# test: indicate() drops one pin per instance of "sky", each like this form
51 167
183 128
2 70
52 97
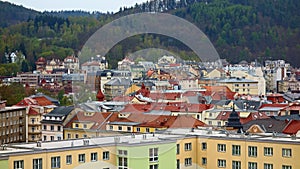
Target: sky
85 5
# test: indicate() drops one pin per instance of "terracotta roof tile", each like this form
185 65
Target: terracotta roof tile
292 128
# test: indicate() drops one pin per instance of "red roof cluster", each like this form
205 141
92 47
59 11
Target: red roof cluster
38 101
219 92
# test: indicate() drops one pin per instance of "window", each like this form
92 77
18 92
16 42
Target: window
69 135
58 128
120 128
204 146
236 165
128 128
154 166
268 166
45 127
252 151
252 165
94 156
106 155
69 159
153 154
236 150
122 160
84 126
188 161
45 138
147 130
51 138
177 164
76 125
52 128
76 136
32 120
268 151
177 148
204 160
37 163
19 164
138 129
188 146
221 163
55 162
111 127
81 158
221 147
122 152
286 152
286 167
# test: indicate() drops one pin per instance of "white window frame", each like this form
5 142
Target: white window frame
221 147
252 151
69 159
268 166
55 162
188 146
236 165
268 151
252 165
19 164
286 152
153 154
236 150
37 163
81 158
188 161
94 156
105 155
221 163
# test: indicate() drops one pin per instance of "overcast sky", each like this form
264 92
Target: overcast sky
85 5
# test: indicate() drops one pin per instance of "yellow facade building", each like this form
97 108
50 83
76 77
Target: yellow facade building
174 149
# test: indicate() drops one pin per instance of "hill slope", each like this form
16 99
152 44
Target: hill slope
12 14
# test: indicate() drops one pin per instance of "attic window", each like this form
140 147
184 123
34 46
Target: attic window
255 116
260 114
271 125
224 114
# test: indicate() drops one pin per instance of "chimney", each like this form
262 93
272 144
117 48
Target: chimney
38 144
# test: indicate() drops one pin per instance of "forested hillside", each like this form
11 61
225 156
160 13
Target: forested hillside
239 29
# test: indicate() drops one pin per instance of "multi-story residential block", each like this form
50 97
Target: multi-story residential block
34 116
178 148
116 87
12 124
29 79
54 122
241 85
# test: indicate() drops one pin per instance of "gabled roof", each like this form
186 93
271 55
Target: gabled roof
292 127
38 101
268 125
224 115
272 107
98 119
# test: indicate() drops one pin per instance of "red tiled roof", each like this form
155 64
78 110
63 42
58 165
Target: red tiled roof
165 96
40 101
189 93
32 111
123 98
292 128
219 92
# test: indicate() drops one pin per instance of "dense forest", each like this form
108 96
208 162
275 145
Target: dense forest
239 29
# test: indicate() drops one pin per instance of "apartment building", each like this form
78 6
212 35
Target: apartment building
12 124
175 149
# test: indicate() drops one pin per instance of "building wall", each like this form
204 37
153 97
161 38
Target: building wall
46 158
183 153
138 156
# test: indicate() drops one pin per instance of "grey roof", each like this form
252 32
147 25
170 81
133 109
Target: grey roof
61 111
158 112
236 80
269 125
119 82
288 117
220 102
247 104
